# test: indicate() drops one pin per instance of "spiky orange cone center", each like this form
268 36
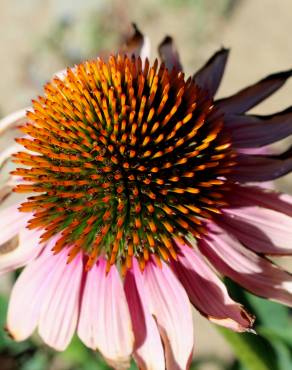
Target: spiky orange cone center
125 158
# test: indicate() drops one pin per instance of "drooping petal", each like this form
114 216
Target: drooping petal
28 295
105 322
13 120
257 168
19 250
5 192
252 95
169 304
169 54
60 306
210 75
208 293
260 229
251 131
5 154
253 272
11 222
148 350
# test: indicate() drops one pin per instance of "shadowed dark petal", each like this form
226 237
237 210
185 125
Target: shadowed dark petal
252 95
246 196
251 131
253 168
168 54
210 75
148 349
207 292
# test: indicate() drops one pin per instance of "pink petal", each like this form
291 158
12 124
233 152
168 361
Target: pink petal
105 322
253 272
20 250
60 306
169 55
148 350
28 294
11 222
210 75
207 292
252 95
169 304
260 229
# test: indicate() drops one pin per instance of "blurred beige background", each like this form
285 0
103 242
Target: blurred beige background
38 37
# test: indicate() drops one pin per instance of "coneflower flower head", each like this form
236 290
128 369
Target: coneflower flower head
126 159
140 190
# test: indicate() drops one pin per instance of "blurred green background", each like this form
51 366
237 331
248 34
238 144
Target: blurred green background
39 37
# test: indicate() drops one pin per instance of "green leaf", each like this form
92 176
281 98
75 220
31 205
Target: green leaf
269 314
3 307
283 355
283 335
76 353
273 324
38 362
252 351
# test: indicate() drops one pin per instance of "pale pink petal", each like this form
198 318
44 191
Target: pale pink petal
19 250
11 222
248 269
169 304
28 295
260 229
148 350
105 322
60 306
208 293
265 150
61 74
146 49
